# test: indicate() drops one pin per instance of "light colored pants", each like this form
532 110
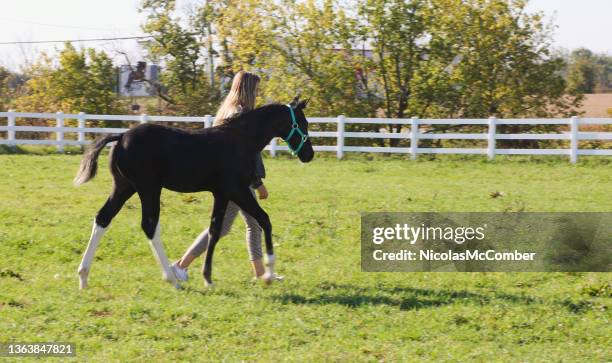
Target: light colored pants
253 233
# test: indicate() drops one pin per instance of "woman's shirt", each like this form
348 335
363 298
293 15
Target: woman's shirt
260 172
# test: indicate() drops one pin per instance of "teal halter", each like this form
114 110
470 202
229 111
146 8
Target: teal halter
295 128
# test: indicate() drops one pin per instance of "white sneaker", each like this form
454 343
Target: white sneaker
278 277
179 272
275 277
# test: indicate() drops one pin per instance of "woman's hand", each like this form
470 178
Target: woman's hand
262 191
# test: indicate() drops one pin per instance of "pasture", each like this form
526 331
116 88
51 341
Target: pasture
326 309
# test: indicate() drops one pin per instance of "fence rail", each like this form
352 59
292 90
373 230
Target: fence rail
414 134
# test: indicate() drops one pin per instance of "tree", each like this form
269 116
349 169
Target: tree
467 59
83 81
582 71
426 58
507 69
177 47
604 73
394 29
588 72
475 58
298 47
9 86
314 52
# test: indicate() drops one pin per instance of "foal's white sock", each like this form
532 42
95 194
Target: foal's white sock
97 232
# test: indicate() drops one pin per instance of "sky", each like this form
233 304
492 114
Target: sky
584 23
581 23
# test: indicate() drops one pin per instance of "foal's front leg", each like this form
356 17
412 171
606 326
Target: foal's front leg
216 223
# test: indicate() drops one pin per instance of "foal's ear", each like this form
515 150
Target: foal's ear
302 105
295 101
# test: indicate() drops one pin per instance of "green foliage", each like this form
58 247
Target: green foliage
468 59
9 87
313 52
506 70
326 309
439 58
368 58
588 72
83 81
179 50
394 29
296 47
4 89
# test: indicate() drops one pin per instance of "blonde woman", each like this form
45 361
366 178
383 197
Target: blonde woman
241 98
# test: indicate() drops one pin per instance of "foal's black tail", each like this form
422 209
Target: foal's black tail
89 164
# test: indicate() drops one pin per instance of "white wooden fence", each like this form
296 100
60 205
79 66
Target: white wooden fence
414 125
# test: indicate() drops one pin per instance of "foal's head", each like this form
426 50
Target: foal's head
295 131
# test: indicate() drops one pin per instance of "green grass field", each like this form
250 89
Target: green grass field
327 309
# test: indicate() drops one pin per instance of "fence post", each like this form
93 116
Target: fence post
81 125
340 135
207 121
414 138
143 118
574 139
491 138
59 120
273 147
11 123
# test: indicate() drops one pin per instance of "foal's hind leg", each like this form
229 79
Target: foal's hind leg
96 234
150 199
122 191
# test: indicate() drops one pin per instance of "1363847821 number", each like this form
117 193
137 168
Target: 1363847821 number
36 349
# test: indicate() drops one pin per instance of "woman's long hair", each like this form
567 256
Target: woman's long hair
240 98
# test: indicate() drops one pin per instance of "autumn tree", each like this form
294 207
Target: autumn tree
83 81
177 45
9 85
588 72
475 58
392 58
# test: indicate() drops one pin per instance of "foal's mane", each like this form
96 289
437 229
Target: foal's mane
245 117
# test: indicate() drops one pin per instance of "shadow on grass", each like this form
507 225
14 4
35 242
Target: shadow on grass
405 298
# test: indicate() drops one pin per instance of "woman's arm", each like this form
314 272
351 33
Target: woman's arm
260 173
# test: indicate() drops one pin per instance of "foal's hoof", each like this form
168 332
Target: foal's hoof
83 279
172 281
175 284
208 283
82 283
